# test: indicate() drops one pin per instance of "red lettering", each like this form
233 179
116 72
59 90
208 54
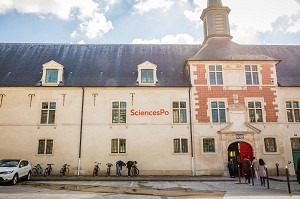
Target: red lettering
148 113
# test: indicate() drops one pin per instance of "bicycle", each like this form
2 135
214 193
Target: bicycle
109 165
37 170
48 170
134 170
64 170
96 170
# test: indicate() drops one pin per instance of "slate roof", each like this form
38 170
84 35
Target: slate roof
116 65
94 65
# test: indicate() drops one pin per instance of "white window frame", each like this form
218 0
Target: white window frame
202 144
180 111
215 72
147 66
181 146
210 100
48 112
46 140
52 65
118 146
292 110
251 73
119 109
261 100
264 145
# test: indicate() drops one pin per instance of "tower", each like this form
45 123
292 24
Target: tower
215 20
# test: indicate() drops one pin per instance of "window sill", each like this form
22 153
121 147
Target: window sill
118 154
180 154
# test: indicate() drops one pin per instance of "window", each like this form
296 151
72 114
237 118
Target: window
147 76
119 112
118 145
292 111
295 142
180 145
270 145
251 75
218 111
179 112
255 111
48 112
215 75
51 76
45 146
209 145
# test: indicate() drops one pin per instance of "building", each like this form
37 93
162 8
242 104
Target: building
176 109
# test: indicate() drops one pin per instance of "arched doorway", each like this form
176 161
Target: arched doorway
237 151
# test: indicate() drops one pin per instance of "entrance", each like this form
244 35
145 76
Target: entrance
295 150
237 151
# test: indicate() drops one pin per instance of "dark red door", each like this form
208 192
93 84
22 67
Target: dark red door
245 149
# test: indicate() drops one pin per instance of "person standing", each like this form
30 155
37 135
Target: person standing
230 166
262 171
247 168
119 165
129 165
255 167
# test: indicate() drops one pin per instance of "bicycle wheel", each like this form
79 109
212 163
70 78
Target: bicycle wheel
34 172
137 171
46 172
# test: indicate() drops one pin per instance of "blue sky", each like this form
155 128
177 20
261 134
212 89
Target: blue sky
144 21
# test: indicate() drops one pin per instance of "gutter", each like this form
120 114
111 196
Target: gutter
191 134
80 135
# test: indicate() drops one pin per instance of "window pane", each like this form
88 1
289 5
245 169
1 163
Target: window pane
288 104
51 117
254 68
182 105
214 104
51 76
175 104
41 147
45 105
297 116
49 146
176 143
255 78
52 105
114 145
183 116
221 104
219 79
44 115
211 68
218 68
295 143
176 115
122 116
259 115
115 104
247 68
115 116
122 148
295 105
252 115
209 145
250 104
215 115
147 75
257 104
212 79
248 78
290 115
122 104
222 115
184 145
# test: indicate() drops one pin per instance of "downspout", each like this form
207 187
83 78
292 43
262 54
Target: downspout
191 134
80 137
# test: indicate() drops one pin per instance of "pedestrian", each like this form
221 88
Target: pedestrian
119 165
255 167
230 166
129 165
262 171
298 171
247 168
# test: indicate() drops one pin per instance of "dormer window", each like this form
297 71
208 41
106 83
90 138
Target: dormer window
147 74
52 74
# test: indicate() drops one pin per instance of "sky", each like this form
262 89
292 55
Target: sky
144 21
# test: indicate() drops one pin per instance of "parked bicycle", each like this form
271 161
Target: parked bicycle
96 170
134 170
37 170
64 170
48 170
108 169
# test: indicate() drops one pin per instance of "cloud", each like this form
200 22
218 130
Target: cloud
144 6
87 12
168 39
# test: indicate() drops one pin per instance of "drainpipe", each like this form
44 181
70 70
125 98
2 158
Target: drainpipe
191 134
80 137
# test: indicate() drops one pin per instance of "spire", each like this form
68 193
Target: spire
215 20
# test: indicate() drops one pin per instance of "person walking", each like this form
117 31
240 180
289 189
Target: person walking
247 168
230 166
255 167
262 171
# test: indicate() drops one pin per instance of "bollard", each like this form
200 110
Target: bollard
252 176
288 179
239 173
267 177
277 165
